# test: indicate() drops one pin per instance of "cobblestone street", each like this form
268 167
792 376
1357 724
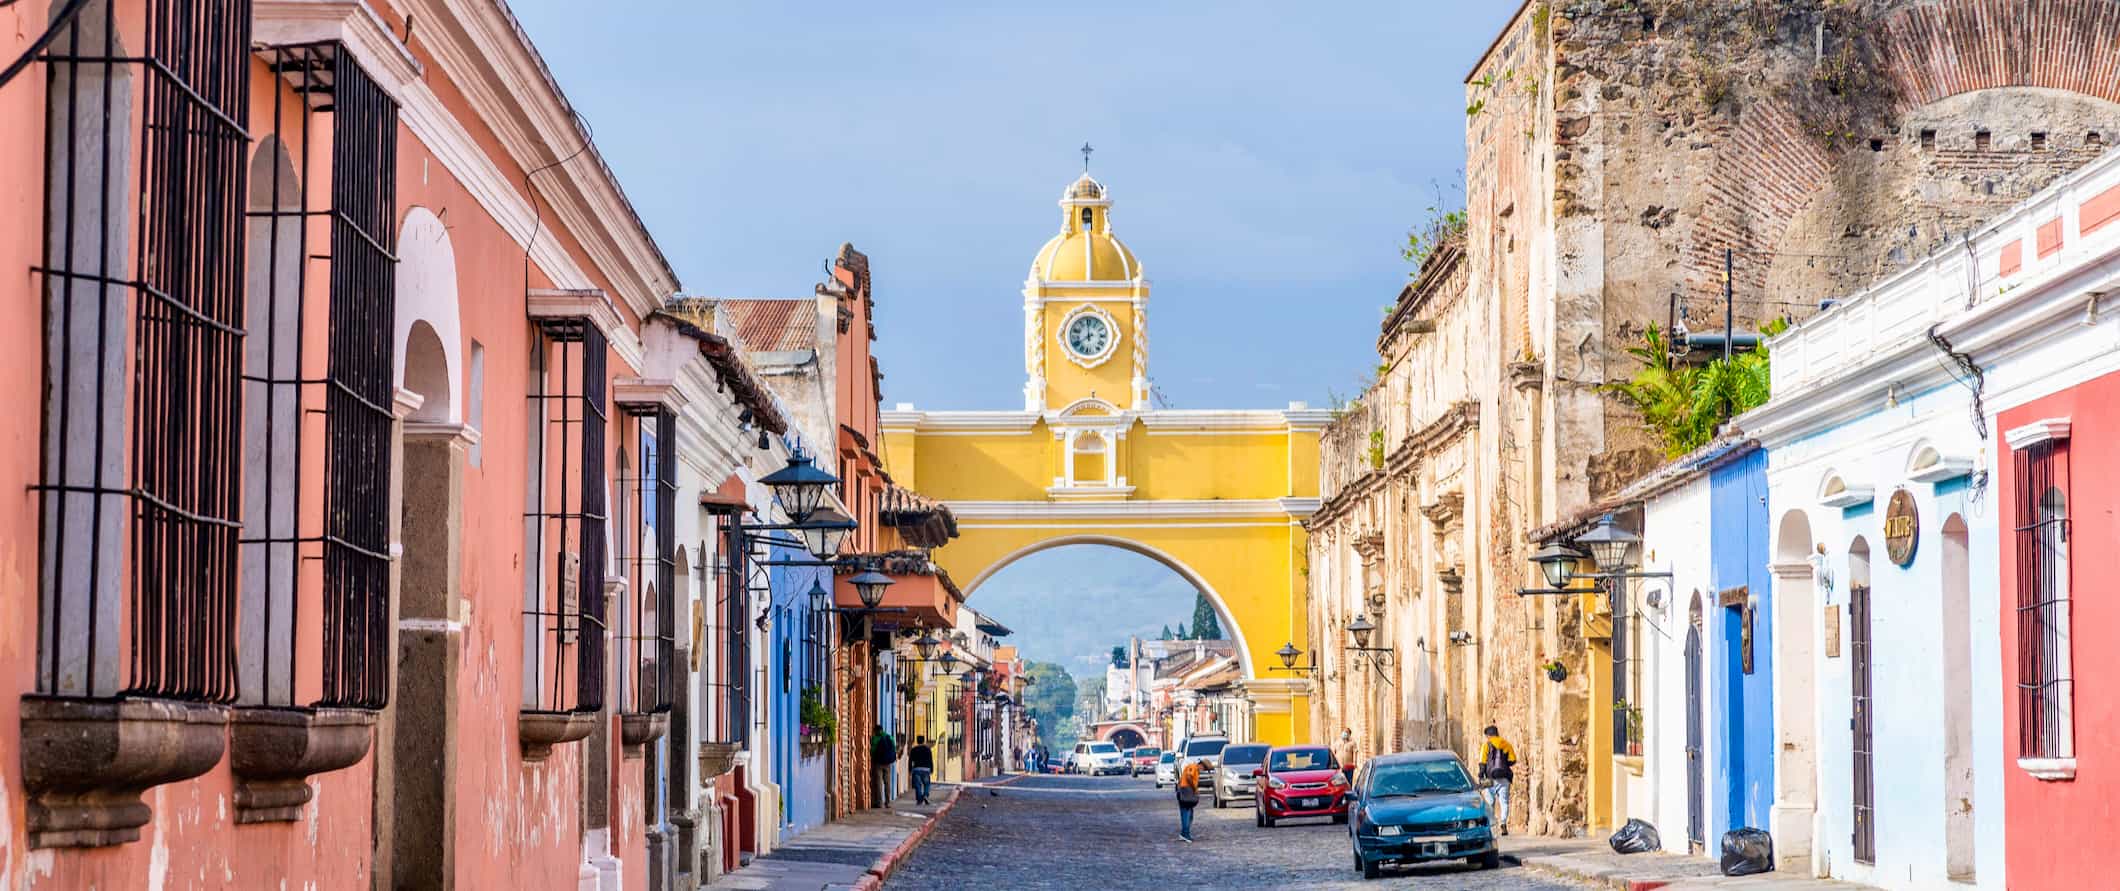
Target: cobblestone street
1117 833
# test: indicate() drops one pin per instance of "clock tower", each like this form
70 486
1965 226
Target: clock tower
1085 313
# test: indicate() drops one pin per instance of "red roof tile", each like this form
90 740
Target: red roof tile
771 325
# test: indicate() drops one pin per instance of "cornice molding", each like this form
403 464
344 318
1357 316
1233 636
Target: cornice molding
959 421
2036 432
642 391
1127 510
352 23
492 63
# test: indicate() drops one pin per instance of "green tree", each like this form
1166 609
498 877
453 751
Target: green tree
1182 633
1119 656
1166 633
1206 625
1051 699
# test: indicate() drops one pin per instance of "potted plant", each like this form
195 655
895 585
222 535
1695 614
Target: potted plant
818 723
1554 670
1630 716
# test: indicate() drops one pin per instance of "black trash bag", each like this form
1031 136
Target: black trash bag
1637 837
1747 852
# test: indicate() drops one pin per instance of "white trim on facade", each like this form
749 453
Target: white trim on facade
2043 430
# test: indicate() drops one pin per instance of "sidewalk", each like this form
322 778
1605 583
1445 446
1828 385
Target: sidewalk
856 852
1593 860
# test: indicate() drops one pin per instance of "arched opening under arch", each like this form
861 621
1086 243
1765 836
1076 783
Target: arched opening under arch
1796 613
1125 621
427 372
1957 656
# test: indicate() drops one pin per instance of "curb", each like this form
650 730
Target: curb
1610 878
881 869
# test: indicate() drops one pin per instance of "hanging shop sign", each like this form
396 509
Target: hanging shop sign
1902 527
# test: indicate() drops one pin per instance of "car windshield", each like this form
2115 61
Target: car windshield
1168 757
1244 755
1304 759
1147 753
1103 748
1200 747
1417 778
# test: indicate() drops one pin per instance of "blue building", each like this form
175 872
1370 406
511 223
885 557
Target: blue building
797 665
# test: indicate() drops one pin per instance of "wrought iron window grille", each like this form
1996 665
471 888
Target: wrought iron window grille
142 274
648 629
565 614
350 542
2045 687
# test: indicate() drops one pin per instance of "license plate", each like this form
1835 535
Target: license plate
1387 830
1308 803
1435 849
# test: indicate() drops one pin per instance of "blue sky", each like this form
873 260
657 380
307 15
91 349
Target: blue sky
1265 159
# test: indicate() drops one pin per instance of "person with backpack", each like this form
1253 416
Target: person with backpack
883 752
1497 770
1188 798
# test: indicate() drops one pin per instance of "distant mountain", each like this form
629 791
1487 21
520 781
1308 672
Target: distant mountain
1071 604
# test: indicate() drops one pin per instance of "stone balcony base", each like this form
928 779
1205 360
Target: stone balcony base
86 761
540 731
274 751
637 730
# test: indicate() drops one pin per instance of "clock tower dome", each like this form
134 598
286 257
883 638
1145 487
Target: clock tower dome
1085 313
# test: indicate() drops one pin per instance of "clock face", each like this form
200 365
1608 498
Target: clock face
1088 336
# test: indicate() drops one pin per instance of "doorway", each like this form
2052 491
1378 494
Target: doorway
1864 790
1696 769
1957 704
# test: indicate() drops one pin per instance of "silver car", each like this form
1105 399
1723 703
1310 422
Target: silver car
1233 779
1204 751
1167 770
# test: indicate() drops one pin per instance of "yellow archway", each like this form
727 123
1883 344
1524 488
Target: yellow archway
1217 496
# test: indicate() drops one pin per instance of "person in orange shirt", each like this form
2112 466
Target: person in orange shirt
1188 798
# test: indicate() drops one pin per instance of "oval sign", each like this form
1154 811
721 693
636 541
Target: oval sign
1902 527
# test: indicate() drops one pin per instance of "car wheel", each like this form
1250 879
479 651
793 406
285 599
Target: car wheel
1370 869
1266 819
1490 860
1258 819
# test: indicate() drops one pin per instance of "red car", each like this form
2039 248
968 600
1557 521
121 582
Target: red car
1143 759
1301 781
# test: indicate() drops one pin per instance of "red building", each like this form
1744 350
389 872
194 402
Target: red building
2051 380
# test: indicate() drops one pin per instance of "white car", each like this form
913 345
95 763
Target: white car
1097 759
1167 770
1205 751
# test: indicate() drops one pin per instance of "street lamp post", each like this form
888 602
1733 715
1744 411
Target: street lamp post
1377 658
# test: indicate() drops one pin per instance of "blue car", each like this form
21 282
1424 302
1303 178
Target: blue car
1419 807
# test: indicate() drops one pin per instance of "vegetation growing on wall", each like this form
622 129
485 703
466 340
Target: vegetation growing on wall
1683 405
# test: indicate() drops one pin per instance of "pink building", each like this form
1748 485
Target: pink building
343 554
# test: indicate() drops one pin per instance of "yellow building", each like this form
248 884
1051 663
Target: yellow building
1217 496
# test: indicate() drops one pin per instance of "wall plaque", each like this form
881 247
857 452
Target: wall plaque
1902 527
1832 632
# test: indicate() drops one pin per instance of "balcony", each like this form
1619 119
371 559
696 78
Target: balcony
920 588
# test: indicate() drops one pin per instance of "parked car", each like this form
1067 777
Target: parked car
1143 759
1300 781
1205 751
1058 765
1098 758
1167 769
1419 807
1233 779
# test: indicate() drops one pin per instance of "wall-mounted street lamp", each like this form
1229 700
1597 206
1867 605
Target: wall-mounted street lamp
1377 658
799 487
1610 547
1289 654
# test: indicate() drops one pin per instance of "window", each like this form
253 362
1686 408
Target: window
1626 671
2045 691
648 636
563 612
341 534
142 276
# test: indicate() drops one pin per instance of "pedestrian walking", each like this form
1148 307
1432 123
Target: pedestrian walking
1345 751
921 760
1497 770
883 752
1188 798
